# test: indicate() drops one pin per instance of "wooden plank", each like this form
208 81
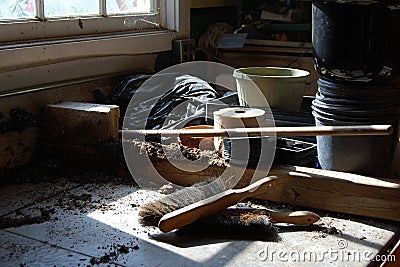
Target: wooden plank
212 3
80 123
397 160
307 187
336 191
270 50
278 43
290 27
393 259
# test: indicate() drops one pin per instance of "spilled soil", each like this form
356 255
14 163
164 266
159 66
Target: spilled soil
18 120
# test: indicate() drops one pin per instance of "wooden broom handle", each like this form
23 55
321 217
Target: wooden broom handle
268 131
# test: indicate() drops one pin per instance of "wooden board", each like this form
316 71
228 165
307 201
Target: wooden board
278 43
391 259
272 50
80 123
337 191
212 3
308 187
395 256
397 160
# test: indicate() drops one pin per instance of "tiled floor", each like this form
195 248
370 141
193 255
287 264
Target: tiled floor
67 224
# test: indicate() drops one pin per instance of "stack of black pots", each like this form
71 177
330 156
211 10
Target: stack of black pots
357 54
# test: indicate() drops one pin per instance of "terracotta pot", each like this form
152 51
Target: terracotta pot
203 143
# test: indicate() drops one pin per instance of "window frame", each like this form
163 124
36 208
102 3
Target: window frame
39 28
41 54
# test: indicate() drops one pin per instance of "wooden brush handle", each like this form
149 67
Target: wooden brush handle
292 217
268 131
295 217
212 205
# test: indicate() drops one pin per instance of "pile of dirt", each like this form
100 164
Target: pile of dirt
175 151
22 219
18 120
51 170
113 254
108 165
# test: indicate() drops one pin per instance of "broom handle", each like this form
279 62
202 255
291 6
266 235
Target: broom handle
267 131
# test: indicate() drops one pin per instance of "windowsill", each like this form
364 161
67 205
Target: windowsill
48 63
32 29
28 55
80 38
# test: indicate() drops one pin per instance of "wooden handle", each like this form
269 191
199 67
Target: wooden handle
295 217
212 205
267 131
292 217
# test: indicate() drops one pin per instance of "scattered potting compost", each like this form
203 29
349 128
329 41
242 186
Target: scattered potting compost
200 133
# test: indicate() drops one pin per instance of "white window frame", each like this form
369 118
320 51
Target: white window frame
46 50
39 28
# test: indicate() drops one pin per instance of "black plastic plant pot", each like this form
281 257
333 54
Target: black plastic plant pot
366 155
356 41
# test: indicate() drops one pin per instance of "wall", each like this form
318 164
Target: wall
78 90
42 68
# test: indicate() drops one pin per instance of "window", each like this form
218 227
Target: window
12 9
38 19
47 42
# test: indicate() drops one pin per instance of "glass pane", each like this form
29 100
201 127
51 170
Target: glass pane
128 6
12 9
65 8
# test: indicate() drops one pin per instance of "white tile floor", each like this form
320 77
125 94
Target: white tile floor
97 224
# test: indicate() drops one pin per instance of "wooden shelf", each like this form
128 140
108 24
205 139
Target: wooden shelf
212 3
278 43
289 26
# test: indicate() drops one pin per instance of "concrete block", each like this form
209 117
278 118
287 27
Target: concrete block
80 123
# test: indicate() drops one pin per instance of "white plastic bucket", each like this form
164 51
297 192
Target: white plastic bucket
283 88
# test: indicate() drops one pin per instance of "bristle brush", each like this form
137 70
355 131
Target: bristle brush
213 204
151 213
247 223
234 223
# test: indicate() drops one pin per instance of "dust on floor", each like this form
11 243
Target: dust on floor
75 223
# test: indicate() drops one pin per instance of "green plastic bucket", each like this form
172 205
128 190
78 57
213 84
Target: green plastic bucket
282 88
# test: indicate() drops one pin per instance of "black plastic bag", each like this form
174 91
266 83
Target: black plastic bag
190 91
163 101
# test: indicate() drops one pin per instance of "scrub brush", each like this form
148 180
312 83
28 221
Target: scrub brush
247 224
234 223
151 213
212 205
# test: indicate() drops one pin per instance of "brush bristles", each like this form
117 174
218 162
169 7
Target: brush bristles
151 213
243 217
234 223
